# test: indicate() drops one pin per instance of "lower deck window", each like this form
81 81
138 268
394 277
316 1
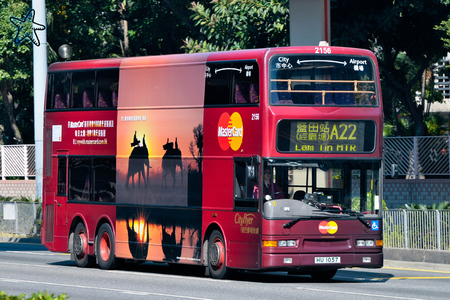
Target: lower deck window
245 183
92 179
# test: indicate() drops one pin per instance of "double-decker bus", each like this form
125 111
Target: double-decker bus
265 159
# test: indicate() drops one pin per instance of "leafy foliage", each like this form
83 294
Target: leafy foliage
442 205
35 296
100 29
15 77
240 24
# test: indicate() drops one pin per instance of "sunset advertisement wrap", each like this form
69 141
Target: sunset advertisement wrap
157 165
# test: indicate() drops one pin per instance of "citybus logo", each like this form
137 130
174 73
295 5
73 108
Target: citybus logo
247 224
328 227
230 131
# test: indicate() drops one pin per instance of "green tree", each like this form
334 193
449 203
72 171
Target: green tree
91 28
100 29
16 108
240 24
402 33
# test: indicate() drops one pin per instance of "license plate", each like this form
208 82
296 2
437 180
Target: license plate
327 260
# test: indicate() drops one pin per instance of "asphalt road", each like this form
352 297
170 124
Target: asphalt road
28 268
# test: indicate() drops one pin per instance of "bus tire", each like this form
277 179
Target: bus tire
217 256
105 247
80 246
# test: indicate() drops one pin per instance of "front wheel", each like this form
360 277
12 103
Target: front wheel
80 246
105 248
217 256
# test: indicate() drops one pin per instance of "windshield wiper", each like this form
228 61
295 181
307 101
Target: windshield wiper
289 225
358 216
293 222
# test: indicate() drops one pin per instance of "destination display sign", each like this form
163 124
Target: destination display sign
326 136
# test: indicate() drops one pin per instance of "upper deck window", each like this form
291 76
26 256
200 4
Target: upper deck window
332 80
232 83
83 89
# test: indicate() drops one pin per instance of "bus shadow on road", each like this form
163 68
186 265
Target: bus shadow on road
342 275
360 275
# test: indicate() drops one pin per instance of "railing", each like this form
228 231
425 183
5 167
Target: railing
417 156
417 229
17 161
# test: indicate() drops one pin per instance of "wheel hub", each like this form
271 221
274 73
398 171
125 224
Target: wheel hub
78 245
214 255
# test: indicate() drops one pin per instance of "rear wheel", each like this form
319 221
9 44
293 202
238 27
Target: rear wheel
217 256
80 247
105 247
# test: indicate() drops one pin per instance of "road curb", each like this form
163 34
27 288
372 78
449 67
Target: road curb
20 240
416 265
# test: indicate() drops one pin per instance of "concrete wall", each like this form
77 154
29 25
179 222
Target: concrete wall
416 255
17 188
398 192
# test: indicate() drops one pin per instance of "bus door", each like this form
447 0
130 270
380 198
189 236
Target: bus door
61 190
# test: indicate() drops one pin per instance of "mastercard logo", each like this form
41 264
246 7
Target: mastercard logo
230 131
328 227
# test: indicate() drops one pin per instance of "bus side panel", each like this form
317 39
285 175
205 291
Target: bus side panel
241 231
240 226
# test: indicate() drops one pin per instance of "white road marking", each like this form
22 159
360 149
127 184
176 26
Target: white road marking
356 293
129 292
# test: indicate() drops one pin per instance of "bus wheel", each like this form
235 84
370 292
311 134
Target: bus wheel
323 275
105 247
80 245
217 256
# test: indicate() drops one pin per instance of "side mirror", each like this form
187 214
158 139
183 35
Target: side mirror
394 170
251 174
251 169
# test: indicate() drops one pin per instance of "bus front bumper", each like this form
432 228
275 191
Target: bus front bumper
328 260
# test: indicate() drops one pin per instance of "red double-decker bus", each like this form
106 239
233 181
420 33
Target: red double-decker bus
266 159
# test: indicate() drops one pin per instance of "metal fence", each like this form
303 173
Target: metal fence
417 156
17 161
417 229
20 218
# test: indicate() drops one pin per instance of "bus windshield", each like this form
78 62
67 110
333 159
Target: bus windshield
334 80
320 188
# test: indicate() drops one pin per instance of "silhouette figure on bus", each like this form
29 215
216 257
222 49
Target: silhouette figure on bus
171 250
138 241
170 161
137 161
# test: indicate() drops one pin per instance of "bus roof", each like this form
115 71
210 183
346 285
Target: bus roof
154 60
86 64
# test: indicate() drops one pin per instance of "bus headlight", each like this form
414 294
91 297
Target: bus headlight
288 243
281 243
365 243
